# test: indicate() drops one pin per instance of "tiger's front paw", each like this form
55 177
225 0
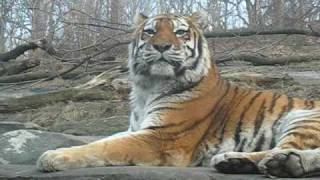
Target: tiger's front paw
283 163
57 160
233 163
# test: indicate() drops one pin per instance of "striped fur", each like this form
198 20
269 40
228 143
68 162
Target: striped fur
184 114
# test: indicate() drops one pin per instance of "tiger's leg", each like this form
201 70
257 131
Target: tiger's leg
142 147
291 163
297 153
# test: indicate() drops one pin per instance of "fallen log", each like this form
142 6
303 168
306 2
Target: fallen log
262 60
256 79
247 32
33 76
72 94
19 67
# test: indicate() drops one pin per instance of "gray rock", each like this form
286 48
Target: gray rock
6 126
25 146
123 173
306 78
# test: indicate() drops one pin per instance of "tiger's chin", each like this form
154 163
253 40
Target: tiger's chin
162 69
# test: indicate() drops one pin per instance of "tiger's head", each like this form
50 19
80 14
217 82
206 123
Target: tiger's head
169 46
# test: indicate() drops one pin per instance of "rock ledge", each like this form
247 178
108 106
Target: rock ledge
121 173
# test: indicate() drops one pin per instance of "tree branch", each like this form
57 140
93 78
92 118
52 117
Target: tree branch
19 50
16 52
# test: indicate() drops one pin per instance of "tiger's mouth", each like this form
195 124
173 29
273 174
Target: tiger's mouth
171 62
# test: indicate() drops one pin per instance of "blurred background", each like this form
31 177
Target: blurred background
77 23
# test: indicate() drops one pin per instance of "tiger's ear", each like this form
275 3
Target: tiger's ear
200 18
139 18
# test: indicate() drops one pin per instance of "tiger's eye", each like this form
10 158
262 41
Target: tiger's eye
149 32
181 32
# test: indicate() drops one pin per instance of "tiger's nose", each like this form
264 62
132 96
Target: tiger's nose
162 47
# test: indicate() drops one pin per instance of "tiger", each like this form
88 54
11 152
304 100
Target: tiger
184 114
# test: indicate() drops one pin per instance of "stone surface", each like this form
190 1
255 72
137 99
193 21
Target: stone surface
123 173
6 126
306 78
97 127
25 146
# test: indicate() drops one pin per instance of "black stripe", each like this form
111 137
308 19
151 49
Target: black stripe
178 90
290 103
259 118
284 109
134 43
135 64
192 51
240 148
312 104
273 102
135 116
258 121
259 143
309 104
160 127
199 48
162 108
178 71
274 126
229 113
239 125
195 40
226 119
214 109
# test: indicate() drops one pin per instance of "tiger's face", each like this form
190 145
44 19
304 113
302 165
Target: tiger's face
167 46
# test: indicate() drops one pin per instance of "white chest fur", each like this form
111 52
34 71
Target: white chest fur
143 101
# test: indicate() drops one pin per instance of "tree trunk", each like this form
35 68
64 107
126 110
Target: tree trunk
277 13
300 15
2 36
36 101
3 20
115 11
39 22
254 14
